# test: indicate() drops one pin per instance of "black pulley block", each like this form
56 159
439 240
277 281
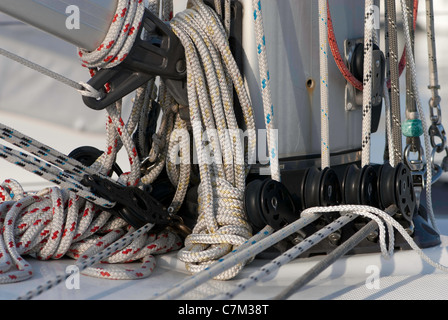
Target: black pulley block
356 66
87 155
359 186
268 202
134 205
159 54
396 188
321 188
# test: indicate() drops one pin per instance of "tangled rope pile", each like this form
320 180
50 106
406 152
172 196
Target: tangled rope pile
53 223
56 222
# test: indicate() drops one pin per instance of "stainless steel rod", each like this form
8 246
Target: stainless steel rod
328 261
83 23
332 257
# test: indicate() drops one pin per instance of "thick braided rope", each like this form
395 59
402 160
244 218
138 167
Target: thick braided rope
222 224
52 224
227 128
367 81
159 150
119 39
216 126
411 111
125 137
179 162
323 58
395 85
265 79
97 255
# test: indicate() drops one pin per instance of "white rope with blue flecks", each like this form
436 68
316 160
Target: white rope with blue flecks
265 80
324 89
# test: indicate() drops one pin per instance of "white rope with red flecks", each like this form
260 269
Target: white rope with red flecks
113 50
54 222
120 37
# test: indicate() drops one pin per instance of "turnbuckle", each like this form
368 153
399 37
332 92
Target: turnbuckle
160 54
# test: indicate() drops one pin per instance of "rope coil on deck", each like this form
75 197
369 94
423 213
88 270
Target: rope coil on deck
58 222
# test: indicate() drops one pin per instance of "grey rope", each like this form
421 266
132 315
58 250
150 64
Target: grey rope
434 81
386 94
332 257
81 87
411 105
395 85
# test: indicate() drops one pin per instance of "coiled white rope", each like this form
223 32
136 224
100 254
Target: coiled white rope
53 223
96 254
222 224
119 38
